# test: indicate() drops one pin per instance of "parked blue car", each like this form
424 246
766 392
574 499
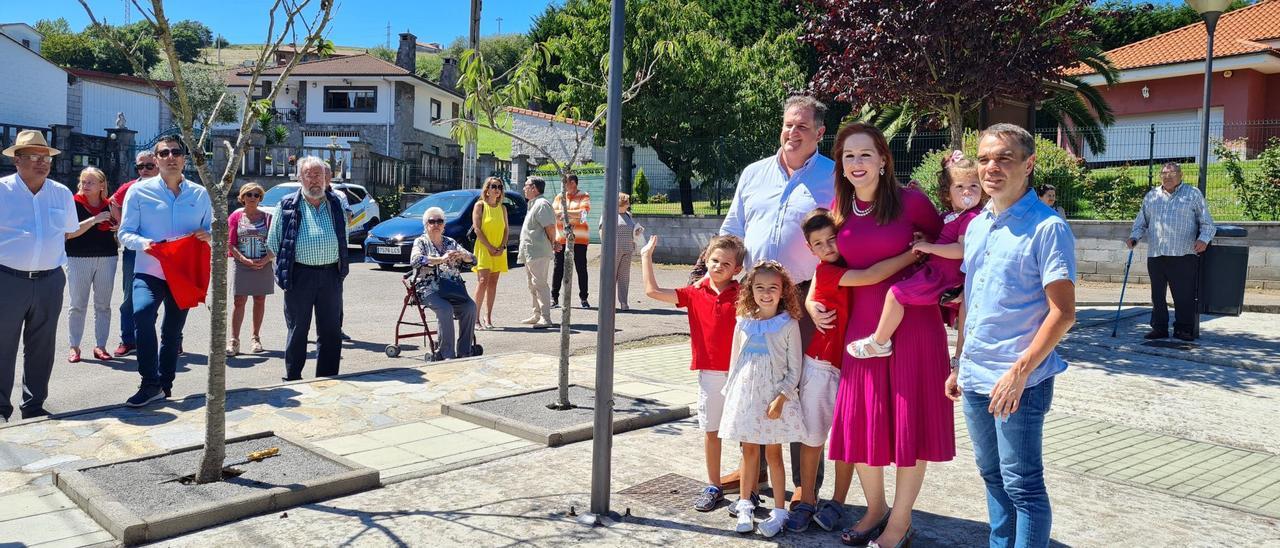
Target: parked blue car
391 241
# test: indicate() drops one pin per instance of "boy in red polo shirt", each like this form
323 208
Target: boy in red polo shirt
712 303
821 374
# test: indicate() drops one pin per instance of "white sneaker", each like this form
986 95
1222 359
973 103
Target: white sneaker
869 348
544 324
531 320
746 523
773 525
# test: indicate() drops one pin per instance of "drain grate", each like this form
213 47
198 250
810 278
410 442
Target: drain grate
665 491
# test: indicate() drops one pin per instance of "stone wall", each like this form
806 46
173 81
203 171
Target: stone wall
1100 250
557 138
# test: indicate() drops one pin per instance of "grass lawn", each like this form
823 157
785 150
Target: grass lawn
699 208
493 142
1221 197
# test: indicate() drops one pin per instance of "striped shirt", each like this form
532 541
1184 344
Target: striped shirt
579 205
1173 221
316 245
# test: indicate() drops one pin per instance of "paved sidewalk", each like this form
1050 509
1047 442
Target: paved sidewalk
1167 432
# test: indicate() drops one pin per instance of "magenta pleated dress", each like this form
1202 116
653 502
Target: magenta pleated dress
892 410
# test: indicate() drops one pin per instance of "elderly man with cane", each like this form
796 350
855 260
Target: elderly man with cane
1176 221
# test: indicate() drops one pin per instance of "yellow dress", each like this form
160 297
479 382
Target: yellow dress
493 225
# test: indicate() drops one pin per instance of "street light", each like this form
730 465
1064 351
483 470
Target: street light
1209 10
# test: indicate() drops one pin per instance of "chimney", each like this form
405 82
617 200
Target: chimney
449 74
407 55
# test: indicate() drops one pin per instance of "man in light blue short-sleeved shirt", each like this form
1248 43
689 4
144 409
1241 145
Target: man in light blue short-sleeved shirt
1019 264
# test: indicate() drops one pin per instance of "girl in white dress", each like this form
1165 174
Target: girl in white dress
760 406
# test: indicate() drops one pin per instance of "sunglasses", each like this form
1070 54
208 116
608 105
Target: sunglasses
495 187
167 152
141 167
435 221
253 195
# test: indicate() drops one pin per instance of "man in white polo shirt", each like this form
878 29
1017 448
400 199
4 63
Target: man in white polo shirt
36 214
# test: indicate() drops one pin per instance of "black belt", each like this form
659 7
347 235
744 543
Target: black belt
315 267
30 275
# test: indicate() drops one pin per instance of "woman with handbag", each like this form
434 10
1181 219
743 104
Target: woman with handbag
437 259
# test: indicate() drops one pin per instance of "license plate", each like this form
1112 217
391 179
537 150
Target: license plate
388 250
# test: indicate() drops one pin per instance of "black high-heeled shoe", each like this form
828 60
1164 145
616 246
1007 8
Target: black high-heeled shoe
850 537
904 542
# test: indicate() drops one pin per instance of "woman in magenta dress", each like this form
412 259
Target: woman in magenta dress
889 410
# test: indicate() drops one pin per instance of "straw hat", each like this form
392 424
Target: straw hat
30 138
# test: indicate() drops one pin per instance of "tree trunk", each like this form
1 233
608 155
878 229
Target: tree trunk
686 193
955 122
562 398
215 417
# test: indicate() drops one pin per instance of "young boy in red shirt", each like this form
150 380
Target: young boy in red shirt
821 374
712 303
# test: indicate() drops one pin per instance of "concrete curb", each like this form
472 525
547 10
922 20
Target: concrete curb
1258 308
132 529
552 437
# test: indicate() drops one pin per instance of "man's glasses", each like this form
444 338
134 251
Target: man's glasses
167 152
435 221
36 158
254 195
141 167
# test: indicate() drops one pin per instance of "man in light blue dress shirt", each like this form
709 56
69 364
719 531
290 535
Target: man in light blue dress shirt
1020 268
161 208
772 198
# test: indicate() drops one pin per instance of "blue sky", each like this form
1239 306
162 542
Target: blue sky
359 23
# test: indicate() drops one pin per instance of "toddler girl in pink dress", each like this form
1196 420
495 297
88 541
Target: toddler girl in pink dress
958 185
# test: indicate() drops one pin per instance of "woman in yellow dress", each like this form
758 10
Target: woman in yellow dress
489 219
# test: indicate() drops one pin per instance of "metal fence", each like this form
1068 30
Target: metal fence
1111 183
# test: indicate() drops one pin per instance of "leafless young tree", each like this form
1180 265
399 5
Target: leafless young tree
291 22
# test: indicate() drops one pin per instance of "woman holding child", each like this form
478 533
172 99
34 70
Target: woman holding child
892 409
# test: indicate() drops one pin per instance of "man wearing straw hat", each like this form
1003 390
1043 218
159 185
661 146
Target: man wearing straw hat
36 214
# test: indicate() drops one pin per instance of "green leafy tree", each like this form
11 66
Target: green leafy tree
1259 193
1121 22
428 66
640 187
202 32
693 133
187 42
52 27
220 42
109 57
1114 194
386 54
68 50
501 52
205 88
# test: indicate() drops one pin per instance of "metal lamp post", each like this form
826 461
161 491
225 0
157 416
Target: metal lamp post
1209 10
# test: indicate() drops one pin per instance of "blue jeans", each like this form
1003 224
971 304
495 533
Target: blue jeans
1009 454
157 363
128 257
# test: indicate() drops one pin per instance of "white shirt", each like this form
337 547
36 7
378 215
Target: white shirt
34 227
152 214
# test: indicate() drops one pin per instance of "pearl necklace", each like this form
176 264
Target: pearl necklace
862 212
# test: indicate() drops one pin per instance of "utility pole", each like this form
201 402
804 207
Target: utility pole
388 44
499 25
471 155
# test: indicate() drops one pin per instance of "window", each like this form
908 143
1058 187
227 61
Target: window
455 111
350 99
435 110
26 43
266 91
357 192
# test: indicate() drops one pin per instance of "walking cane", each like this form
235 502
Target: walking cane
1123 285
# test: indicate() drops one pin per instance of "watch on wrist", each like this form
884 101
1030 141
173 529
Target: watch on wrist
955 362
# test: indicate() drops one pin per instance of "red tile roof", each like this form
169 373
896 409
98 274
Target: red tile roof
545 116
1239 32
349 65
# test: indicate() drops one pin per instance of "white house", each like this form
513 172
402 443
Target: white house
359 97
558 135
24 34
39 98
96 99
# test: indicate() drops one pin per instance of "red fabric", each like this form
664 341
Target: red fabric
186 265
828 345
83 200
712 319
118 197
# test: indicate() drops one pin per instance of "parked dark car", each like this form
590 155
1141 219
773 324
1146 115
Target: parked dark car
391 241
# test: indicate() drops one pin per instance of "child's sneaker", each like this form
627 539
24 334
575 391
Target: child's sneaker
773 525
828 516
801 515
709 499
755 502
869 348
746 521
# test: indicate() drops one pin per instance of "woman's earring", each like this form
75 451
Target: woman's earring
882 171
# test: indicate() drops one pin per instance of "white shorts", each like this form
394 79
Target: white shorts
818 383
711 399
